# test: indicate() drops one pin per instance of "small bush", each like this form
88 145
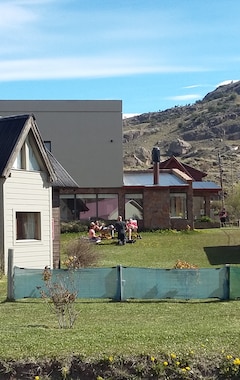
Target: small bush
73 226
80 254
205 218
184 265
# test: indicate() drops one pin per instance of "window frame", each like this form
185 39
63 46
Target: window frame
28 158
133 197
19 229
182 214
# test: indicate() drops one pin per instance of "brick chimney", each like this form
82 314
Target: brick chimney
156 160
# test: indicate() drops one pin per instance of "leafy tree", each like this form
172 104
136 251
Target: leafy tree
233 202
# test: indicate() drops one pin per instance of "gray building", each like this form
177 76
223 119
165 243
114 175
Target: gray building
84 135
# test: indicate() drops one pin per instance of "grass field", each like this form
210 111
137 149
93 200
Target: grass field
27 329
205 248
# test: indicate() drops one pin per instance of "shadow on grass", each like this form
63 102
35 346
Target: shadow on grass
223 254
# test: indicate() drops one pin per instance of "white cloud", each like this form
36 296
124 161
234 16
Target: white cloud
224 83
193 86
12 15
33 2
85 67
185 97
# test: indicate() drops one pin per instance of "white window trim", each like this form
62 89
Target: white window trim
25 241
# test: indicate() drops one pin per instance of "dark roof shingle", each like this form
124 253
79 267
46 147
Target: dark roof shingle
10 131
63 178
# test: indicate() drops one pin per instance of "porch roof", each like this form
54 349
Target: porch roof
205 185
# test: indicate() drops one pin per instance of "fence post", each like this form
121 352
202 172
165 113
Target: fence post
119 283
10 289
227 266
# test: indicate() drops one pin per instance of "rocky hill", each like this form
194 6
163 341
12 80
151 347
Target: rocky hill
205 135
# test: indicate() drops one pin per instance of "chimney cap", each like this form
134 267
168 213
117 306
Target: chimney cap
156 154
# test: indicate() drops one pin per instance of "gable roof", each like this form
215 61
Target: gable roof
13 132
172 162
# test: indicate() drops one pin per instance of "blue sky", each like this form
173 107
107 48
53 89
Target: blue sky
151 54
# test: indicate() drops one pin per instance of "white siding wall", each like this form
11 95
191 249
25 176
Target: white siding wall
28 192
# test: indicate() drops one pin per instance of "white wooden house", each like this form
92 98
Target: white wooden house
26 176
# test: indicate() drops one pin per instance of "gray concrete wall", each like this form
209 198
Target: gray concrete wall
86 136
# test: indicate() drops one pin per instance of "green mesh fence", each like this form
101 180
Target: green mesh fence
234 280
120 283
149 283
88 283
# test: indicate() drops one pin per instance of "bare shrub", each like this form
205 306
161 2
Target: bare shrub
59 297
80 254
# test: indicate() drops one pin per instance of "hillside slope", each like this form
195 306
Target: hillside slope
205 135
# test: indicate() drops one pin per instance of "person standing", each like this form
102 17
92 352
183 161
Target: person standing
120 227
223 217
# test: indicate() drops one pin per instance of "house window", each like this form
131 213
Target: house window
178 205
28 225
27 158
48 145
107 206
20 162
32 159
134 206
98 206
88 206
199 207
67 207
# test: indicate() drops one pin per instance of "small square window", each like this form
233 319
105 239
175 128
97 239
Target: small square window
28 225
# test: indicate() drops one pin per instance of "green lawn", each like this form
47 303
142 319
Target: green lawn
28 330
205 248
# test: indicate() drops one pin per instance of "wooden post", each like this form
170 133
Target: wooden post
10 289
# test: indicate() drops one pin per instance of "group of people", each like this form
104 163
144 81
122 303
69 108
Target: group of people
124 230
97 230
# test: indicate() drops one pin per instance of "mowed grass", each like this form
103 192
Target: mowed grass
204 248
103 327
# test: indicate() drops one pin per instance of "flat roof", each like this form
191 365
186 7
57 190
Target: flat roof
166 179
146 179
201 185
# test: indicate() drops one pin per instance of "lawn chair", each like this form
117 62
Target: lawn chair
107 232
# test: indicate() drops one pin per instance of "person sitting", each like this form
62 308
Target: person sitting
92 234
98 226
120 227
132 227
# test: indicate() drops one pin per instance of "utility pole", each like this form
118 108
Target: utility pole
221 179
